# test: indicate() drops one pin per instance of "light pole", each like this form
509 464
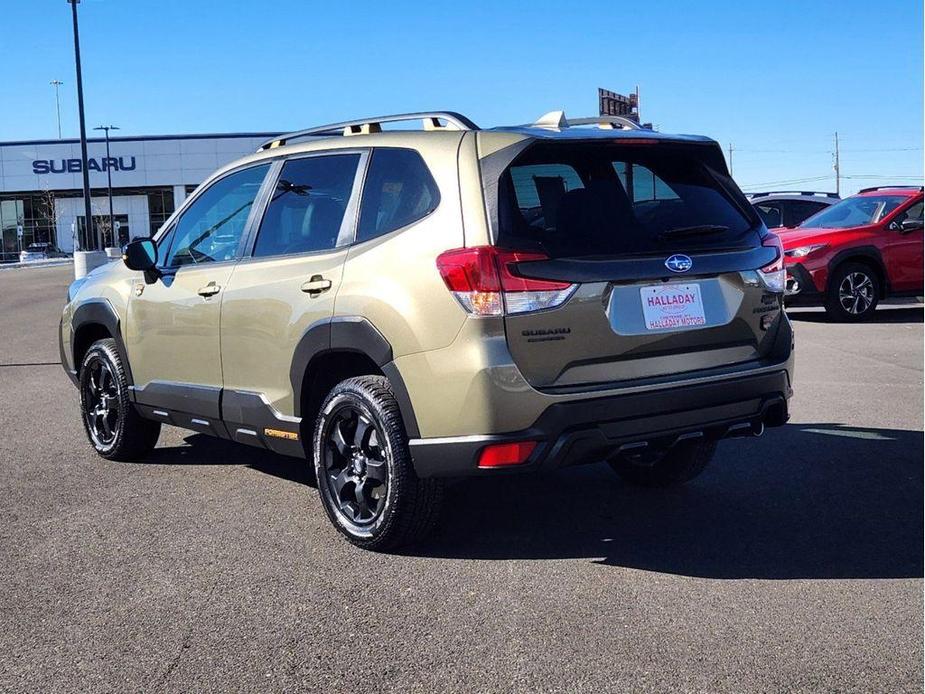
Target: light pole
112 228
56 84
83 128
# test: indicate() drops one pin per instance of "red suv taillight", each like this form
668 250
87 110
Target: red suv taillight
774 275
485 283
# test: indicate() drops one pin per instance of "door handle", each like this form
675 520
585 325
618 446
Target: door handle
316 285
209 290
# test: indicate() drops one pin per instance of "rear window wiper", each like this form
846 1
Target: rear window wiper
700 230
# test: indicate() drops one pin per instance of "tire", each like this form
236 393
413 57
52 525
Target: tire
366 478
115 429
680 464
853 293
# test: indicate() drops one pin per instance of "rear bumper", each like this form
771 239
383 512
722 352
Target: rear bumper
583 431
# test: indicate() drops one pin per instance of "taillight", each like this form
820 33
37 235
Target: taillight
774 275
503 454
485 281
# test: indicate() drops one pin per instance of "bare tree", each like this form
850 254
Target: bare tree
102 222
49 211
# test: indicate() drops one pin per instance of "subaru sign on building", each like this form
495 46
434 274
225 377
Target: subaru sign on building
41 186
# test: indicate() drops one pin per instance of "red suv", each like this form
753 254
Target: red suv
856 252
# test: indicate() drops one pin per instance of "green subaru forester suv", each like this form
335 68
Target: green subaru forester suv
399 307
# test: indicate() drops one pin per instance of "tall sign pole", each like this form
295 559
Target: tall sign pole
56 84
83 128
837 167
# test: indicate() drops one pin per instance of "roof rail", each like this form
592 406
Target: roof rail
873 188
557 119
364 126
792 192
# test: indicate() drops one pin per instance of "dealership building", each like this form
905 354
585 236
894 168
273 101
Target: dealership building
41 186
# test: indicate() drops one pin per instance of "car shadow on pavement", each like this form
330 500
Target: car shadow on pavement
201 449
804 501
884 314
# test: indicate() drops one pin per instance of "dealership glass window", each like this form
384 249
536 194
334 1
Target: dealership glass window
210 229
307 208
102 233
31 213
160 207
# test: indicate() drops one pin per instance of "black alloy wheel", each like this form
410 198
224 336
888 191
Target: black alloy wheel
366 477
101 402
355 466
115 428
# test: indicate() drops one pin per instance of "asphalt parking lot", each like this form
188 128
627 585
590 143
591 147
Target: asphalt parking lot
794 563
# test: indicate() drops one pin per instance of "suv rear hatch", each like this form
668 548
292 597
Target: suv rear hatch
646 258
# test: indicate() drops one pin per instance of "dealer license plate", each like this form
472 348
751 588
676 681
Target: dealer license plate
672 306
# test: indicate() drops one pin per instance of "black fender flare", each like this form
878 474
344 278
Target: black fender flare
100 312
349 334
871 253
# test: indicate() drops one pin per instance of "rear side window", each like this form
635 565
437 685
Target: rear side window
398 191
770 214
798 211
571 200
307 207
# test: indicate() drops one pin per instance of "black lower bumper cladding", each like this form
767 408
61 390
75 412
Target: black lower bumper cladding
593 430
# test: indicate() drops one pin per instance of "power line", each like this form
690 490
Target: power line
879 176
824 151
785 182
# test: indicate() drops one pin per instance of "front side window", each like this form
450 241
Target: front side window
855 212
307 208
210 229
398 191
912 214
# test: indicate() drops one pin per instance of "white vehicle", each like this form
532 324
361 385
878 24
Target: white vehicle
789 208
40 251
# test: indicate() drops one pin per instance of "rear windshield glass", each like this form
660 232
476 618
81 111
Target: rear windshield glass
573 200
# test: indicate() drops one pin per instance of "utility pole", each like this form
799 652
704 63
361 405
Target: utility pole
56 84
730 159
837 168
112 228
83 128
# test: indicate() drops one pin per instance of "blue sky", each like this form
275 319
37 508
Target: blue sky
774 79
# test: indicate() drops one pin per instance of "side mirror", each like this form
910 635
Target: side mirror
911 225
141 254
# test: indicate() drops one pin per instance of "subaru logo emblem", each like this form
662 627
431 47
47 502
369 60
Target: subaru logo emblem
679 263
